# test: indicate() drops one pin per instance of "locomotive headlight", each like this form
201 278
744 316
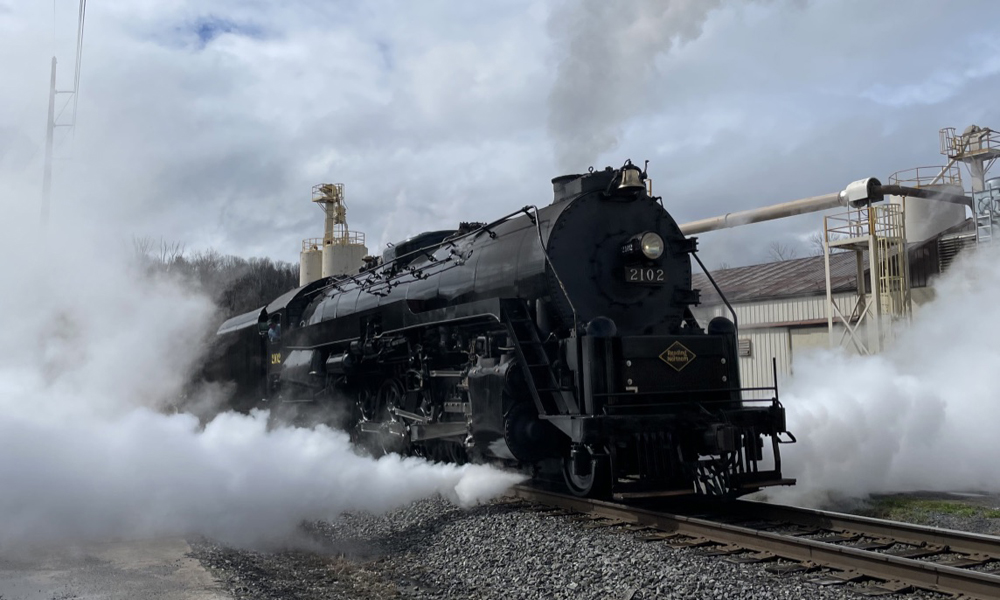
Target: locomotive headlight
651 245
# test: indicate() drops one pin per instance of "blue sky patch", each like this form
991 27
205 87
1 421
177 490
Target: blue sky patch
210 27
385 52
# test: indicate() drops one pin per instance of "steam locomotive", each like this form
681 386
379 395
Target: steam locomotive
559 336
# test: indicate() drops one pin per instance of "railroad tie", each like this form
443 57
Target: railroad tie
967 560
874 544
752 558
835 577
884 588
919 552
844 536
724 551
805 566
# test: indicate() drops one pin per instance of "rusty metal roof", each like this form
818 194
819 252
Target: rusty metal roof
807 276
788 278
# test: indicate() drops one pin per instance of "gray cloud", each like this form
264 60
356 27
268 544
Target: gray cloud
436 113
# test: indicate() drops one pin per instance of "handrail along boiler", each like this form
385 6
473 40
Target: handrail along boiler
554 336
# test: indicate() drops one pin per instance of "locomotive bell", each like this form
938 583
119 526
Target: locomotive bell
631 179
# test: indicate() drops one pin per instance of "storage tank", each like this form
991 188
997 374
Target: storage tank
993 184
343 259
310 263
926 217
342 251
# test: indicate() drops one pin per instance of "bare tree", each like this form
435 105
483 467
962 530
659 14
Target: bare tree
780 252
164 257
816 240
170 252
235 284
141 247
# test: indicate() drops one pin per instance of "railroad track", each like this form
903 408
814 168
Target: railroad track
826 548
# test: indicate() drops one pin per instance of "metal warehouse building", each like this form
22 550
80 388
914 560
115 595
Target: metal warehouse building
784 308
781 307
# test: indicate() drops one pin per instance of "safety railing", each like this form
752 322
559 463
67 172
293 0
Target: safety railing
342 238
969 143
885 221
352 238
328 192
926 176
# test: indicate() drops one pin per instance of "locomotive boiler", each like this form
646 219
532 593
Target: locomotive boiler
555 336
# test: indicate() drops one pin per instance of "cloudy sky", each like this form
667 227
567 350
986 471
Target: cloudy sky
206 122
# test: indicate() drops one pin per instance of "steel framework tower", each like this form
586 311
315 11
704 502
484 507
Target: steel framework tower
978 148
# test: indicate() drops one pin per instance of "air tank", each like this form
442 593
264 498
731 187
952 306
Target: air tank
310 265
342 259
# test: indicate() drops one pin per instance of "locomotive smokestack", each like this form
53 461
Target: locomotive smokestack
560 185
566 187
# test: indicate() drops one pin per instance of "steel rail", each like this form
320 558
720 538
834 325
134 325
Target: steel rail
962 542
915 573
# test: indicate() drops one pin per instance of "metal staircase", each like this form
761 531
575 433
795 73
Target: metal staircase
877 235
551 397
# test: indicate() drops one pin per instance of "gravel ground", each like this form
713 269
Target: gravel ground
319 573
497 551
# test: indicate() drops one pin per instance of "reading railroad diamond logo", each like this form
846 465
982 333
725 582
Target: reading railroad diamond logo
677 356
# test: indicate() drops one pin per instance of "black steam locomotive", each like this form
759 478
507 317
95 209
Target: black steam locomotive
557 336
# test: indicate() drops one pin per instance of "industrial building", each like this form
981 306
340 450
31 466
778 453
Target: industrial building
340 251
783 308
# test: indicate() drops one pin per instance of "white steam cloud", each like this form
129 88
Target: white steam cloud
607 54
93 350
920 416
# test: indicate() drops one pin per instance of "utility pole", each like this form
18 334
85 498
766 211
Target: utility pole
54 118
49 132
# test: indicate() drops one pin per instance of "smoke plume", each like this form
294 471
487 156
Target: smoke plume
920 416
607 53
94 351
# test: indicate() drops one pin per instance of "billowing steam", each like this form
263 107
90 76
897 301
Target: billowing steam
607 54
93 352
920 416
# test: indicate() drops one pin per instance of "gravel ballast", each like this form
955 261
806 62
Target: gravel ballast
432 549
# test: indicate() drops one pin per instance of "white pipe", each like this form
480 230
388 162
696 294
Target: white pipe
766 213
858 193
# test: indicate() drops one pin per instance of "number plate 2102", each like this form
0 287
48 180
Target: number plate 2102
643 275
